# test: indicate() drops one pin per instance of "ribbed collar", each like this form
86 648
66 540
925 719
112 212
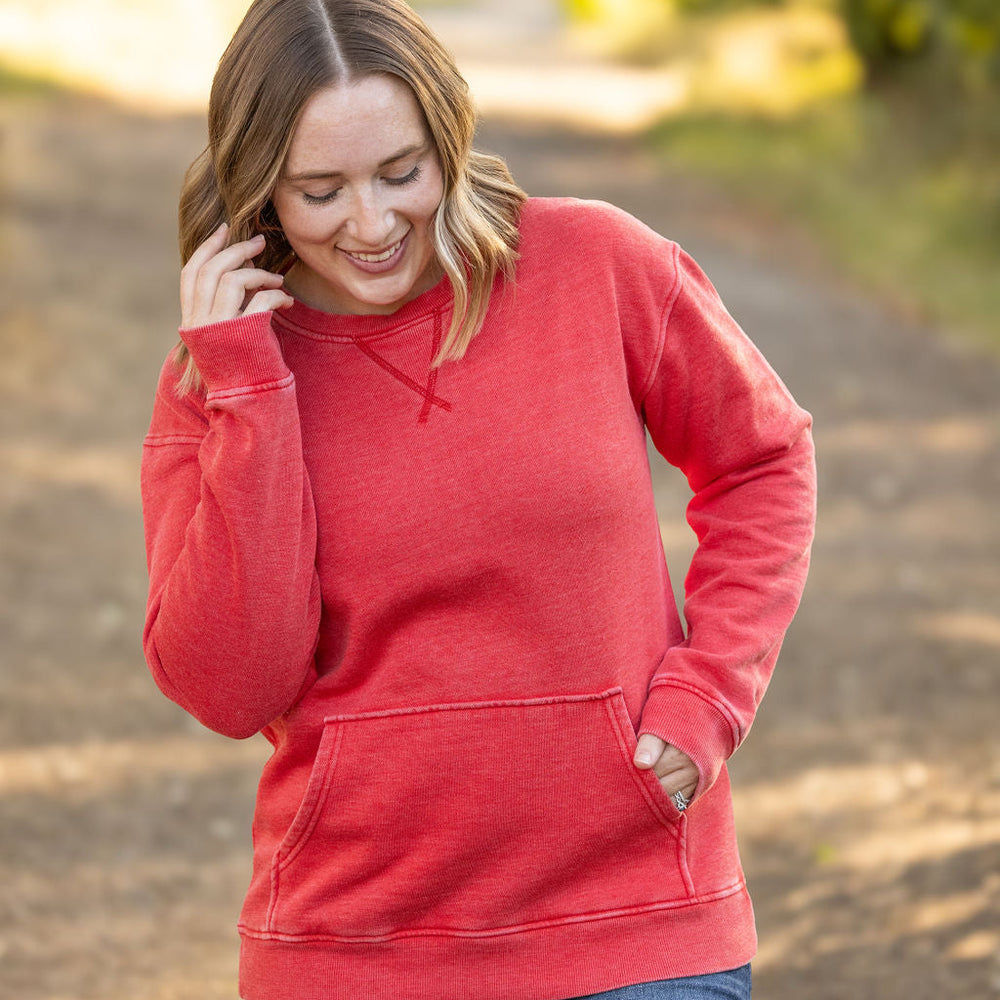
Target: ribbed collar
311 322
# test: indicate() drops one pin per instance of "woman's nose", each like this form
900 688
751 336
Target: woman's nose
372 221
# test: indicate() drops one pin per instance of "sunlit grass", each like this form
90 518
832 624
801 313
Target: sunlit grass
910 212
15 82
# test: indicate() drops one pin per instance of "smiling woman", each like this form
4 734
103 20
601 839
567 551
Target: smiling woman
290 65
358 197
437 588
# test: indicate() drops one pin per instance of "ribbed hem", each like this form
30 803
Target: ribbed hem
570 959
688 720
240 353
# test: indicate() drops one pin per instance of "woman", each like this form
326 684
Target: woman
399 518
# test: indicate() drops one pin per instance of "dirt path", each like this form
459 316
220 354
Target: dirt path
868 794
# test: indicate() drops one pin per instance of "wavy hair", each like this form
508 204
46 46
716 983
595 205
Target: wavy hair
283 52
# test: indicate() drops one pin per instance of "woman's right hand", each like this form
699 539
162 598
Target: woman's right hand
215 286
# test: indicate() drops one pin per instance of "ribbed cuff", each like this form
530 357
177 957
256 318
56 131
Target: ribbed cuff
690 721
237 353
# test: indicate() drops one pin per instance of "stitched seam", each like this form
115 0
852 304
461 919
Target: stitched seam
325 781
249 390
346 338
682 862
432 374
282 857
656 808
386 713
163 440
538 925
400 376
666 313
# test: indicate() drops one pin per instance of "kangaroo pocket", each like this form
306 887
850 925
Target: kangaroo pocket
474 818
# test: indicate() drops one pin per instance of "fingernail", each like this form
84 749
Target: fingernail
644 757
225 225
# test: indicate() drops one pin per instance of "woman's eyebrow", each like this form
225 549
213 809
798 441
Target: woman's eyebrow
319 175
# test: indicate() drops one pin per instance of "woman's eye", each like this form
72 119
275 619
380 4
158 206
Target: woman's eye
320 199
325 199
407 179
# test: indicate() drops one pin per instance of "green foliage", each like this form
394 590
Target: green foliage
593 10
581 10
955 41
949 44
719 6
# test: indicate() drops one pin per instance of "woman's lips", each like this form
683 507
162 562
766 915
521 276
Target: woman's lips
377 263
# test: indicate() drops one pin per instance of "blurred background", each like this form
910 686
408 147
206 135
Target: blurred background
835 167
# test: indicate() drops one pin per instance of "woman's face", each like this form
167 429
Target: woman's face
357 198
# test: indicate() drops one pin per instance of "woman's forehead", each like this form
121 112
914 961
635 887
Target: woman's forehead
357 125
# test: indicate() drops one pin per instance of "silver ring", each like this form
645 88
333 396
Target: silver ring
681 801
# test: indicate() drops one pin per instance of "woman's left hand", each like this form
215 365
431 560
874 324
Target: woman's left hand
675 769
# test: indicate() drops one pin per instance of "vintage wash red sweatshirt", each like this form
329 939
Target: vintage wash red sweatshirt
442 596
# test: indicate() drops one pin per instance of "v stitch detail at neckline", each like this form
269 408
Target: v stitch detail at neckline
430 398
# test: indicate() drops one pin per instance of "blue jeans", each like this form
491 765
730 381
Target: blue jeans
733 985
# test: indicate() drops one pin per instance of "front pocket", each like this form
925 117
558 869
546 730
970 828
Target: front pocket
472 818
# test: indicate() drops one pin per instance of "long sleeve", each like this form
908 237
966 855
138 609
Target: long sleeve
234 604
716 410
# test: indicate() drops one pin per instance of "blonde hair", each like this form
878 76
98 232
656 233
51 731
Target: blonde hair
285 51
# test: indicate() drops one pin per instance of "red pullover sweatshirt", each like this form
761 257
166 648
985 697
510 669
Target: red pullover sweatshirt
442 596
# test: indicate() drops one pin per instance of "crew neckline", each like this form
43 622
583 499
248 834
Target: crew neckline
352 326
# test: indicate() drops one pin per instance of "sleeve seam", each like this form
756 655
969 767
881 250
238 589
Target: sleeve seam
667 311
164 440
250 390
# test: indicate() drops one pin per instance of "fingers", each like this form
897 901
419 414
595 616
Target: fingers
680 775
213 245
216 285
235 287
268 302
189 273
648 751
675 769
218 277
